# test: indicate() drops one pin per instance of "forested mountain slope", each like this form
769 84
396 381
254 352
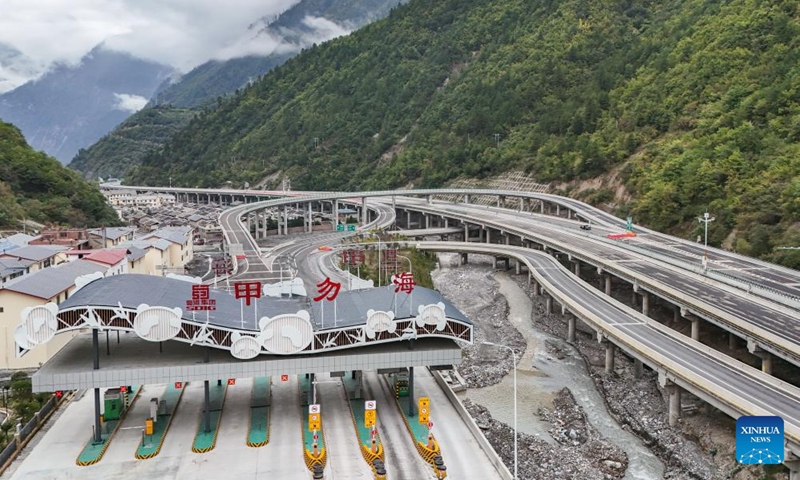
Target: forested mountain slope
36 187
696 103
143 132
305 23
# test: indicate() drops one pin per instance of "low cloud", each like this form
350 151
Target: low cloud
129 103
283 40
180 33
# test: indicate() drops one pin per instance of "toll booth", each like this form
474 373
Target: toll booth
114 403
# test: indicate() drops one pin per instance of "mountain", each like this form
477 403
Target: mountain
278 39
15 68
143 132
275 40
71 107
665 109
36 187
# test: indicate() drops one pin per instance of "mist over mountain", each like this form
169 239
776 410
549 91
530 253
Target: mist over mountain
15 68
71 107
267 43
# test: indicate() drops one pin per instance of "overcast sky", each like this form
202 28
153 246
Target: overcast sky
181 33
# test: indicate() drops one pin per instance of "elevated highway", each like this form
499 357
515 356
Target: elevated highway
769 323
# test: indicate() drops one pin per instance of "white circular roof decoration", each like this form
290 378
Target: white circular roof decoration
157 324
379 321
40 323
432 315
244 347
286 334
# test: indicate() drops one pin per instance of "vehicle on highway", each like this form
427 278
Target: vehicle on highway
586 226
325 248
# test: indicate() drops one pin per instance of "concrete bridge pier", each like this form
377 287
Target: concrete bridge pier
548 305
535 287
766 359
695 327
571 329
794 468
610 348
518 266
607 279
463 259
494 263
674 392
310 227
732 341
577 264
645 303
638 368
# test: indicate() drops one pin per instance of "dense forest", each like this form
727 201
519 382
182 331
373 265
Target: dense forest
693 104
143 132
35 186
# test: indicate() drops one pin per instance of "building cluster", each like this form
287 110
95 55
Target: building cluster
155 211
49 267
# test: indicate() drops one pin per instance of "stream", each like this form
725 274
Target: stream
540 377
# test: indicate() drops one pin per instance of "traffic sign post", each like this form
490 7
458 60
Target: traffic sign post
424 404
231 381
351 228
369 418
284 378
340 228
314 418
178 385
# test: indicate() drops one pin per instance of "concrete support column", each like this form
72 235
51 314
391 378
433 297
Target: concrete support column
446 222
364 211
488 235
541 207
285 220
571 329
428 199
96 366
408 219
607 278
466 198
695 327
411 403
335 213
494 263
518 267
732 341
548 305
766 363
645 303
674 392
676 314
463 259
310 218
427 220
558 210
577 267
610 347
507 261
794 469
638 368
535 288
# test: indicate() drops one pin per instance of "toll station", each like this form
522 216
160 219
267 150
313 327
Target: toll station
132 331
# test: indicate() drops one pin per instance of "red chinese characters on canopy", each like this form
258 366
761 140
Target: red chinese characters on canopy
247 291
327 290
404 282
201 299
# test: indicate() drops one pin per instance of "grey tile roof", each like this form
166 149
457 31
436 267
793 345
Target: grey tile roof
172 234
158 243
49 282
10 266
135 253
131 290
20 239
112 233
36 253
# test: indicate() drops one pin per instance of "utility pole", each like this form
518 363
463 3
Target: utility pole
497 139
170 182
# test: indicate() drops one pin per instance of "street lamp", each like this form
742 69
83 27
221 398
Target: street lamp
705 219
514 355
